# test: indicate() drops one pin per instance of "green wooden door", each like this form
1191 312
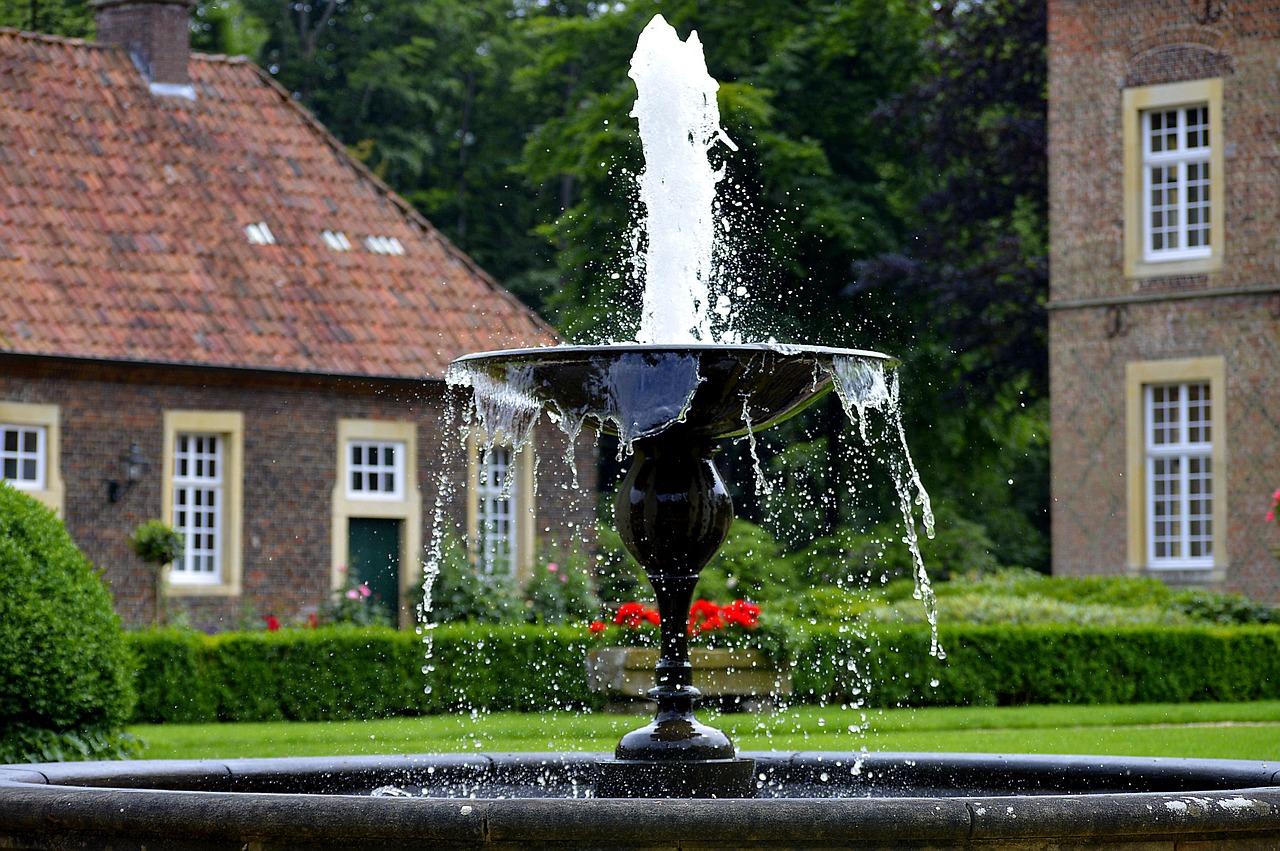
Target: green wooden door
373 557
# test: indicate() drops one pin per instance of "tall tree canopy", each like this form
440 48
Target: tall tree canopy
972 279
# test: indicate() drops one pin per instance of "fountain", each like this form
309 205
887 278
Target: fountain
674 783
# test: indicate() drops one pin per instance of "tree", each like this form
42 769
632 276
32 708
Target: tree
972 279
159 546
799 87
70 18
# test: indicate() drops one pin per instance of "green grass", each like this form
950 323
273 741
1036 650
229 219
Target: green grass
1224 730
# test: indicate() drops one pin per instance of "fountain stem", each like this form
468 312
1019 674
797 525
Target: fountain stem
673 514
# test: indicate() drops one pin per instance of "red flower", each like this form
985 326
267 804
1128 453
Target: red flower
596 627
704 616
273 623
313 620
635 615
743 614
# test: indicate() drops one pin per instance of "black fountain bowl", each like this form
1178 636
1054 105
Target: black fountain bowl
709 391
826 800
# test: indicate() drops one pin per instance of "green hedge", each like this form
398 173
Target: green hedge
348 672
338 673
1001 665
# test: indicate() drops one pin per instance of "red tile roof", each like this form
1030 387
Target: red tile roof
123 221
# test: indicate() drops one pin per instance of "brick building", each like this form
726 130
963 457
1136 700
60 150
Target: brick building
211 315
1164 143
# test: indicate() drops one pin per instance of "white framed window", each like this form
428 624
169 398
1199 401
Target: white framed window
496 540
198 514
1179 470
22 456
203 499
29 450
375 469
1177 476
1173 178
1176 174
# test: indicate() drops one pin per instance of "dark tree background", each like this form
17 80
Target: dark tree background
889 191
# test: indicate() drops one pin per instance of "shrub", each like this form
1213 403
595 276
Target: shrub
158 545
340 672
353 603
462 593
64 669
560 590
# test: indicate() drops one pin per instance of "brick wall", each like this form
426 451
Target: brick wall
156 32
1100 319
290 448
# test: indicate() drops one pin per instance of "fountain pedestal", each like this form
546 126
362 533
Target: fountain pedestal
673 513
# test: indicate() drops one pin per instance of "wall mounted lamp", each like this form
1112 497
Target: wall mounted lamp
132 465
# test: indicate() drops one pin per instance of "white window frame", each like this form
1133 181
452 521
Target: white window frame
1141 257
1179 448
1179 153
45 420
199 507
227 481
20 456
497 547
501 509
1184 446
366 479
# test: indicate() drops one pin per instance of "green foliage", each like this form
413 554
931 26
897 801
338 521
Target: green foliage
35 744
226 26
337 673
345 672
70 18
156 543
561 590
851 559
354 604
64 672
462 593
1001 665
618 577
748 567
1210 607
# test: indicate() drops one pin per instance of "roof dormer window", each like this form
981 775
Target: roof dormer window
337 240
259 234
384 245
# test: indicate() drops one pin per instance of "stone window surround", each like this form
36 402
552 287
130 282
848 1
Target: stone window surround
49 418
1136 101
405 506
229 425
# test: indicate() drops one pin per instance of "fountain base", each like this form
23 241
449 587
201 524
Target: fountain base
717 778
536 801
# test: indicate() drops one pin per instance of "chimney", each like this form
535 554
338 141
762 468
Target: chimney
156 33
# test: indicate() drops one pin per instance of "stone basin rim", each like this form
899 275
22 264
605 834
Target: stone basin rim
1223 801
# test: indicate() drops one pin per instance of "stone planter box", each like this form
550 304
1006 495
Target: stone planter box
739 679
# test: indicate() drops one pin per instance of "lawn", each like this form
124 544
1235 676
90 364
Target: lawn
1226 730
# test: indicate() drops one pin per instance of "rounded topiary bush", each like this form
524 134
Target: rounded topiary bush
65 674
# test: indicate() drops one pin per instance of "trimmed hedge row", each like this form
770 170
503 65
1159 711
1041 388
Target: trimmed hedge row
350 672
341 673
1002 665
